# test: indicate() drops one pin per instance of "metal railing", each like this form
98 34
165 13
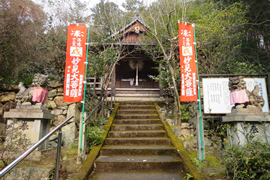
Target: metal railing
101 103
32 148
92 112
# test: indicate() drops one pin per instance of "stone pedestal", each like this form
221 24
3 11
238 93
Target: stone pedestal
247 124
35 121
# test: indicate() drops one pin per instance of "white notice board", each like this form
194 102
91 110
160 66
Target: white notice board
216 94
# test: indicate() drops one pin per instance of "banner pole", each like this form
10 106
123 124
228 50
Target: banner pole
84 87
199 97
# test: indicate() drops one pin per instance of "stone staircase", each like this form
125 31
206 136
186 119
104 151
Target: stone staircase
137 147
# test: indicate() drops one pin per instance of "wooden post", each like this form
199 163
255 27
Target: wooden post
160 85
198 135
268 87
82 130
137 74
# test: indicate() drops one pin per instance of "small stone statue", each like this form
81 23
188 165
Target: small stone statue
25 95
254 98
238 84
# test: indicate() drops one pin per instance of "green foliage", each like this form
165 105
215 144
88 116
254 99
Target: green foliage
197 162
218 35
108 15
74 145
13 144
189 176
249 161
94 136
101 61
185 112
21 24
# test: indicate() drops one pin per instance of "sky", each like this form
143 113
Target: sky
61 6
92 3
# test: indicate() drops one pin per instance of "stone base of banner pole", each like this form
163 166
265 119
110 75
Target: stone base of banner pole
200 146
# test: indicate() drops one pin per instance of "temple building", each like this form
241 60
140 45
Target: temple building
131 76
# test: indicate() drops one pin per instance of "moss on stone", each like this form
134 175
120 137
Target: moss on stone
190 167
87 167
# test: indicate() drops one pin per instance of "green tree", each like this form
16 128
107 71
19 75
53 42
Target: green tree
253 54
133 5
163 19
131 8
52 43
107 15
21 23
218 35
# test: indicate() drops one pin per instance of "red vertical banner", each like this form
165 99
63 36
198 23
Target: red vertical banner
75 67
187 63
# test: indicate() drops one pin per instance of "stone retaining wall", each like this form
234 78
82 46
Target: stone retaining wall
55 104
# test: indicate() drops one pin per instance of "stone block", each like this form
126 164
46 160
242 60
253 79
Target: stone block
208 142
59 101
33 130
7 87
185 126
61 118
74 110
60 90
65 112
70 131
50 104
245 122
36 122
52 93
52 144
28 114
170 122
186 130
9 96
55 84
63 107
240 131
57 112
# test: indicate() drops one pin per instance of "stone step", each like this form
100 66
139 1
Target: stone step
137 133
136 116
126 127
136 103
137 111
138 141
138 175
137 162
138 150
136 121
137 107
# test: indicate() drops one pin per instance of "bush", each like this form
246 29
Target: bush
14 144
93 136
249 161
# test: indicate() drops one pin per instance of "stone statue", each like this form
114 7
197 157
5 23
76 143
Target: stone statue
238 83
25 95
254 98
